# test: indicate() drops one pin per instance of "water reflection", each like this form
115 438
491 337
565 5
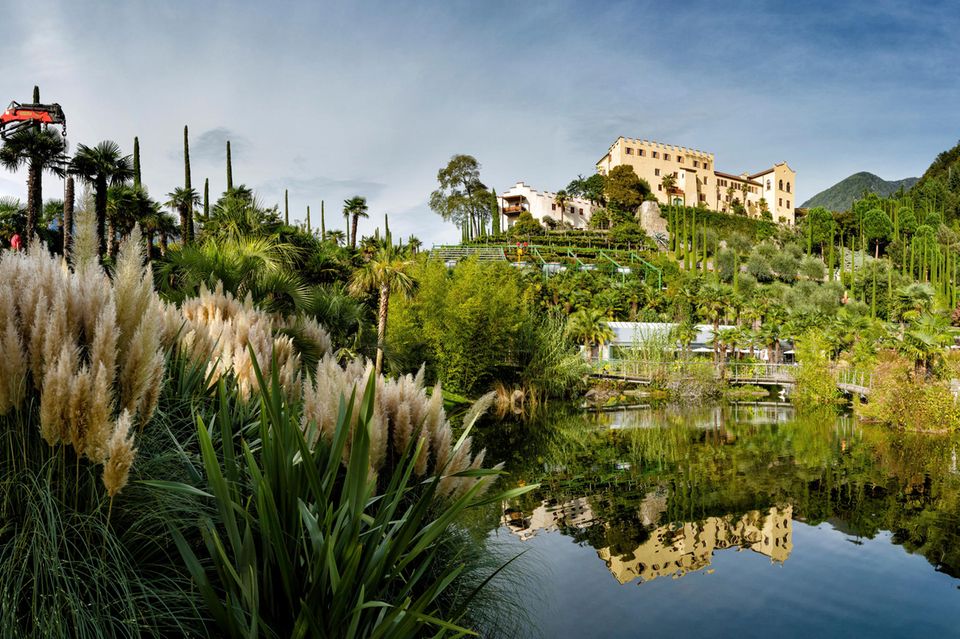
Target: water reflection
657 492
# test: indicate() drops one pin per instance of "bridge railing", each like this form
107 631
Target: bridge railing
852 377
731 371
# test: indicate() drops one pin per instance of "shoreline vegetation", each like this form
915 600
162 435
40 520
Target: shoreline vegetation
222 422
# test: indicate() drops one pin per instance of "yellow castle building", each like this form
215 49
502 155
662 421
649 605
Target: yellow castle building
696 180
675 550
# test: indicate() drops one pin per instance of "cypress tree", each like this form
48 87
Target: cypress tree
323 222
136 162
187 232
309 230
286 207
830 264
495 214
229 169
67 216
36 96
386 227
206 199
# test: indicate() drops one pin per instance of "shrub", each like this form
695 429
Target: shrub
304 545
901 398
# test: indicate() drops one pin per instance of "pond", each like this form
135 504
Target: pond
729 521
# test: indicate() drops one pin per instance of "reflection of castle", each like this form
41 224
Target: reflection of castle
575 513
676 551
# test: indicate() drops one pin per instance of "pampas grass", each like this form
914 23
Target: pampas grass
229 334
87 346
402 412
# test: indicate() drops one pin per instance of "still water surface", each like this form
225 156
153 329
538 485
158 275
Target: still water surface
735 521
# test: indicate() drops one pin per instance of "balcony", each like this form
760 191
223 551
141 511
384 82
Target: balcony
514 209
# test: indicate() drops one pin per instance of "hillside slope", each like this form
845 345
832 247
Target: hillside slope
841 195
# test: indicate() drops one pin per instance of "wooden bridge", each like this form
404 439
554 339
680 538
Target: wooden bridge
850 382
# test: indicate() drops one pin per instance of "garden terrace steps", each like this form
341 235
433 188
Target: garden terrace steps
457 253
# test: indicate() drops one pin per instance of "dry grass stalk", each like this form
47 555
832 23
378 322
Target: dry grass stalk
221 330
89 346
403 411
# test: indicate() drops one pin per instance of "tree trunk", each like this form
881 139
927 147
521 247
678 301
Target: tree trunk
68 217
184 225
382 324
34 200
353 232
111 239
163 242
100 205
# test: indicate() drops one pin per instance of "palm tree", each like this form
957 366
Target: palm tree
745 189
387 271
40 150
669 183
337 236
181 200
561 200
414 244
355 208
925 340
912 301
589 327
102 166
685 332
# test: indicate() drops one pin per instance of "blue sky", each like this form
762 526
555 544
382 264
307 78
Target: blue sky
336 99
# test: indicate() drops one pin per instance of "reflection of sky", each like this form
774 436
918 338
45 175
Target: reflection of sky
830 587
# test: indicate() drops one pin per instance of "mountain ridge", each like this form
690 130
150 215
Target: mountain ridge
841 195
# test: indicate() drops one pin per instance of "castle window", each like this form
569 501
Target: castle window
788 187
666 156
581 211
780 186
656 172
788 204
656 154
641 152
780 201
553 207
629 151
696 164
659 187
768 184
680 159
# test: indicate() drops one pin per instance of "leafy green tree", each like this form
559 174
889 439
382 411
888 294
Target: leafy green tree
877 227
907 221
353 209
102 166
526 224
759 267
589 327
590 188
820 227
387 271
461 197
39 150
624 189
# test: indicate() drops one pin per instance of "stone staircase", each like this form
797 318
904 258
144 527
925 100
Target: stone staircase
453 254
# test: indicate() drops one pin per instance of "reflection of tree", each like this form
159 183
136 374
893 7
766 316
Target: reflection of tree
708 464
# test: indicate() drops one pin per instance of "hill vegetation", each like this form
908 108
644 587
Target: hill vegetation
840 196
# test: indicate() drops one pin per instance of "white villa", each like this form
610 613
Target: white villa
628 335
542 206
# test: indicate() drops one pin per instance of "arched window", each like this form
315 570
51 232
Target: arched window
768 184
788 187
781 185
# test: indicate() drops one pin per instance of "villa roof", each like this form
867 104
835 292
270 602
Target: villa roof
738 178
770 170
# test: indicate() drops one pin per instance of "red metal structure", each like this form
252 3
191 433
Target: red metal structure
19 115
